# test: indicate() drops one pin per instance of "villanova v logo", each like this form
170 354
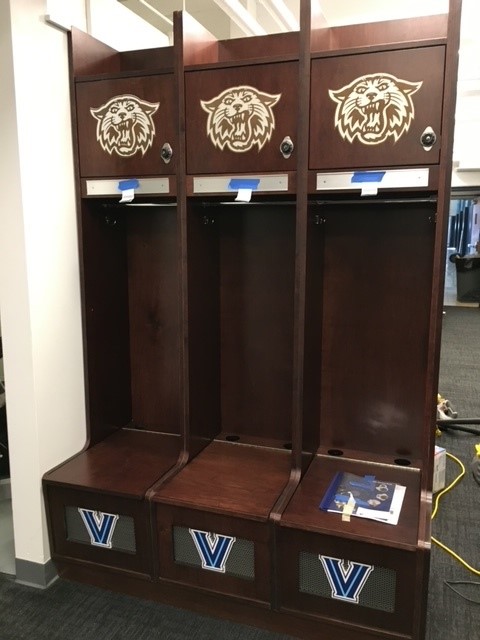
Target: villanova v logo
347 581
100 526
212 548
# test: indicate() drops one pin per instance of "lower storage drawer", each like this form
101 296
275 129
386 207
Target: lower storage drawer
362 584
99 528
217 553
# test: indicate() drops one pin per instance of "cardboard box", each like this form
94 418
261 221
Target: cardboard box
439 465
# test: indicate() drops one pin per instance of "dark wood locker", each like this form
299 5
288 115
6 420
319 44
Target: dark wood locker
240 324
239 116
265 313
129 255
371 109
125 124
373 231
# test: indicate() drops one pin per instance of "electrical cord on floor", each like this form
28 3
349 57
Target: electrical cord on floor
459 425
452 553
449 584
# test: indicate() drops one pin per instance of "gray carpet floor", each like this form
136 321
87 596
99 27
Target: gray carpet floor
458 521
68 611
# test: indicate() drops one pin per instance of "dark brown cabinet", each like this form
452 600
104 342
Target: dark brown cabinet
239 116
124 124
262 313
372 109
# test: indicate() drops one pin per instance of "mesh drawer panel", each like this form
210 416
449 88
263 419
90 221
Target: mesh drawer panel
378 592
123 537
240 561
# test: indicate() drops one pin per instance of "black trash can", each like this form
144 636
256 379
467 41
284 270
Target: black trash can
468 278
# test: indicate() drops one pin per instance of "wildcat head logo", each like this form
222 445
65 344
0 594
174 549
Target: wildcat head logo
240 117
125 125
374 107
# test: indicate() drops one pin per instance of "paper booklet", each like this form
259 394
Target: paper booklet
364 497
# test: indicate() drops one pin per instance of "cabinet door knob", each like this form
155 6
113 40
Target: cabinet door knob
286 147
166 153
428 138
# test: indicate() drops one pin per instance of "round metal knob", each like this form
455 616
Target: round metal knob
428 138
166 153
286 147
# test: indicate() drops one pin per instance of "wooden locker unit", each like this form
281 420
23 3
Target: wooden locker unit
240 321
131 311
376 306
240 353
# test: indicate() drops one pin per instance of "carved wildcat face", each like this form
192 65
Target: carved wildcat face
240 117
374 107
125 125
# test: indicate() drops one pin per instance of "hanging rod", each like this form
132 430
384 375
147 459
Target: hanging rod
264 203
431 200
276 203
121 205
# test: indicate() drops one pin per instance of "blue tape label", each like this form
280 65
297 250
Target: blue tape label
123 185
243 183
368 176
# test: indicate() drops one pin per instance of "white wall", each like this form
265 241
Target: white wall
466 151
39 269
120 28
466 180
39 272
108 21
67 13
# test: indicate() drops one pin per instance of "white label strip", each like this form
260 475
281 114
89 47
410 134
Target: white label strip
147 186
393 179
219 184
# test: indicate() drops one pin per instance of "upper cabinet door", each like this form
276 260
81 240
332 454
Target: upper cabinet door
238 117
123 124
377 109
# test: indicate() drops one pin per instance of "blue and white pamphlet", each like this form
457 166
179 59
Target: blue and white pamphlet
364 497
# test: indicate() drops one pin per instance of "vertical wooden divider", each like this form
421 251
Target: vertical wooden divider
303 446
